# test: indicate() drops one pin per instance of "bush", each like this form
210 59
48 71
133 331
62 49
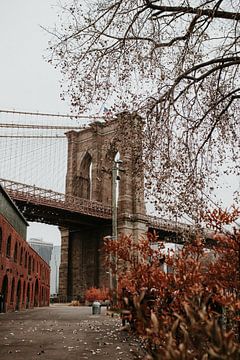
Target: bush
94 294
191 312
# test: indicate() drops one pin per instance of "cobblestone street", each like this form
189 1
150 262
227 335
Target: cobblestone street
64 332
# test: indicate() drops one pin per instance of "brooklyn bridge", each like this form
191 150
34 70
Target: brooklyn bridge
102 192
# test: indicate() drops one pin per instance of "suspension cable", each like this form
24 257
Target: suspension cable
94 117
47 127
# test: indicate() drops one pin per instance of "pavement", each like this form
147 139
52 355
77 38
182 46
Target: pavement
60 332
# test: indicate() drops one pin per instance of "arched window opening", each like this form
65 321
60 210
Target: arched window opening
0 239
15 252
83 185
8 251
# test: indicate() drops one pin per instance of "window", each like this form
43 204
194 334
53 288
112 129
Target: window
15 252
8 252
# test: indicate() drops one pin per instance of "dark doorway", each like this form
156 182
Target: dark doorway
18 299
4 294
36 294
28 297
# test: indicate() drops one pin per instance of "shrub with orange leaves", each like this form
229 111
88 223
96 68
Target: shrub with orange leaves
94 294
194 308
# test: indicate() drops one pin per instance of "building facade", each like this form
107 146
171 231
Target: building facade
52 255
24 275
54 264
43 249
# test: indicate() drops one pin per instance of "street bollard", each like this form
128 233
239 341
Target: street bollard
96 308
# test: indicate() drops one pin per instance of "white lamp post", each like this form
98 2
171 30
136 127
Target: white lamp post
115 178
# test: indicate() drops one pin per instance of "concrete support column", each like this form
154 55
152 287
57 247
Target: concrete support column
76 275
83 269
63 269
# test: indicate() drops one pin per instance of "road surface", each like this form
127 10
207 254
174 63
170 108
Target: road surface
62 332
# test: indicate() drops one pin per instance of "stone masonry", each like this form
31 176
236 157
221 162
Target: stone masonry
91 154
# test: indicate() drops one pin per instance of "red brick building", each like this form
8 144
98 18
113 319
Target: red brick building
24 275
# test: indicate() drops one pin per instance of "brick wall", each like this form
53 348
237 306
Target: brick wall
24 275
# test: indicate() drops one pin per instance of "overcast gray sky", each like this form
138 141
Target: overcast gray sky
27 81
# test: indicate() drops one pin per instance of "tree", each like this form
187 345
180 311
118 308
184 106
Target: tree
177 65
191 312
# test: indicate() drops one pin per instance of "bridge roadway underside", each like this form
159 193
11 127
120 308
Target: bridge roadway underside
59 217
82 261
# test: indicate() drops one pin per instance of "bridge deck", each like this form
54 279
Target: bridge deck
38 196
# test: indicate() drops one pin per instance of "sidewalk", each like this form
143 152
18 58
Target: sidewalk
64 332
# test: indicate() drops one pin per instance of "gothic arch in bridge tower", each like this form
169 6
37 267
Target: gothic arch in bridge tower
83 177
95 148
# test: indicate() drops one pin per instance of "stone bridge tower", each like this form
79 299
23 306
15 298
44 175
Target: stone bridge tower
91 154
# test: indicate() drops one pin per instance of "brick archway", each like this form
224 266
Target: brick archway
36 293
18 295
28 296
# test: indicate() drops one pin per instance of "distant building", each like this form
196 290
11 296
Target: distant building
51 254
43 249
24 275
54 264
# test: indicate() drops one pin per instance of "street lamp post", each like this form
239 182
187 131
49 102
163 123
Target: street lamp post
115 178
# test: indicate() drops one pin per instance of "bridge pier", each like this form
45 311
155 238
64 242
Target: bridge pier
82 264
91 156
63 269
82 261
133 225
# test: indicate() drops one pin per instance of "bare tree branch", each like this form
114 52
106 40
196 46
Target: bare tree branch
177 64
190 10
